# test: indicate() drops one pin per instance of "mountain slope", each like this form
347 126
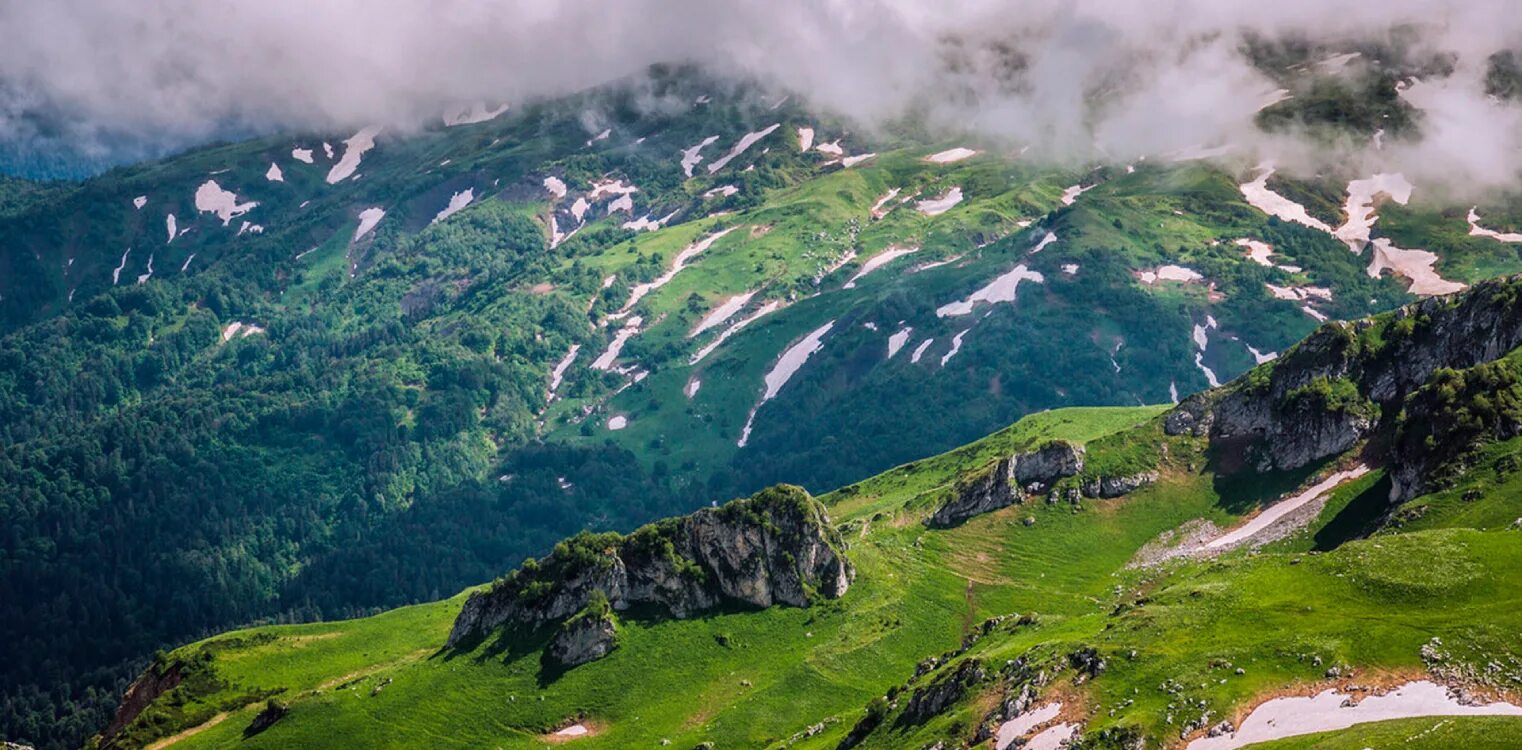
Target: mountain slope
350 396
1179 569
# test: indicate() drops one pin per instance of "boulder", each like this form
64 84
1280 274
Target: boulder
1049 463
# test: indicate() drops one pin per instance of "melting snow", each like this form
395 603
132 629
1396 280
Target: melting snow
1330 710
897 340
1169 273
722 313
616 423
1052 739
354 150
1173 392
1415 265
579 730
1021 725
170 224
1260 357
1478 231
724 190
186 264
687 253
956 346
1360 206
1070 195
1283 508
143 278
116 275
210 197
787 366
457 203
883 258
691 156
739 148
733 329
832 148
605 360
327 148
805 139
938 206
604 188
1001 289
950 156
555 186
1070 268
234 328
623 203
302 155
558 374
139 202
1260 197
470 114
603 136
1047 240
877 208
851 161
691 389
919 351
273 174
368 218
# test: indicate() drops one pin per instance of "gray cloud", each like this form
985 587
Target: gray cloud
1074 79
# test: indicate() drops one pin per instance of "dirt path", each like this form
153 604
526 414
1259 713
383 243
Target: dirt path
191 732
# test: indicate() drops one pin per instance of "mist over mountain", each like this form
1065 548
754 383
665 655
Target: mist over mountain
89 83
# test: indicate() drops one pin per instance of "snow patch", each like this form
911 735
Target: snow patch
1001 289
1047 240
733 329
940 205
1416 265
171 225
956 346
1022 724
897 340
211 198
139 202
273 174
919 351
116 275
354 150
457 203
691 156
303 155
605 360
1260 197
616 423
722 190
786 367
1331 710
687 253
557 375
883 258
805 139
950 156
368 218
851 161
1475 230
722 313
1360 206
745 142
1169 273
555 186
878 211
1070 195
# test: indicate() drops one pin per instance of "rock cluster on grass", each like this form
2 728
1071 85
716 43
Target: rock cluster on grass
776 547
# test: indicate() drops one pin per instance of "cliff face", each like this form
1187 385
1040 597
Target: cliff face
776 547
151 684
1347 381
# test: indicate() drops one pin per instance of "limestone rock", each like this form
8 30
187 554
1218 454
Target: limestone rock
772 548
981 492
584 638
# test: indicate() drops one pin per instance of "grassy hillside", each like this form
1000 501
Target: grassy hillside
1217 635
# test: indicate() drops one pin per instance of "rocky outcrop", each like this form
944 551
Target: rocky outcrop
1045 465
934 699
776 547
1348 381
152 683
587 637
981 492
1329 392
1003 483
1105 487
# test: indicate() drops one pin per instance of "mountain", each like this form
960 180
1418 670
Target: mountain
1134 577
313 376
